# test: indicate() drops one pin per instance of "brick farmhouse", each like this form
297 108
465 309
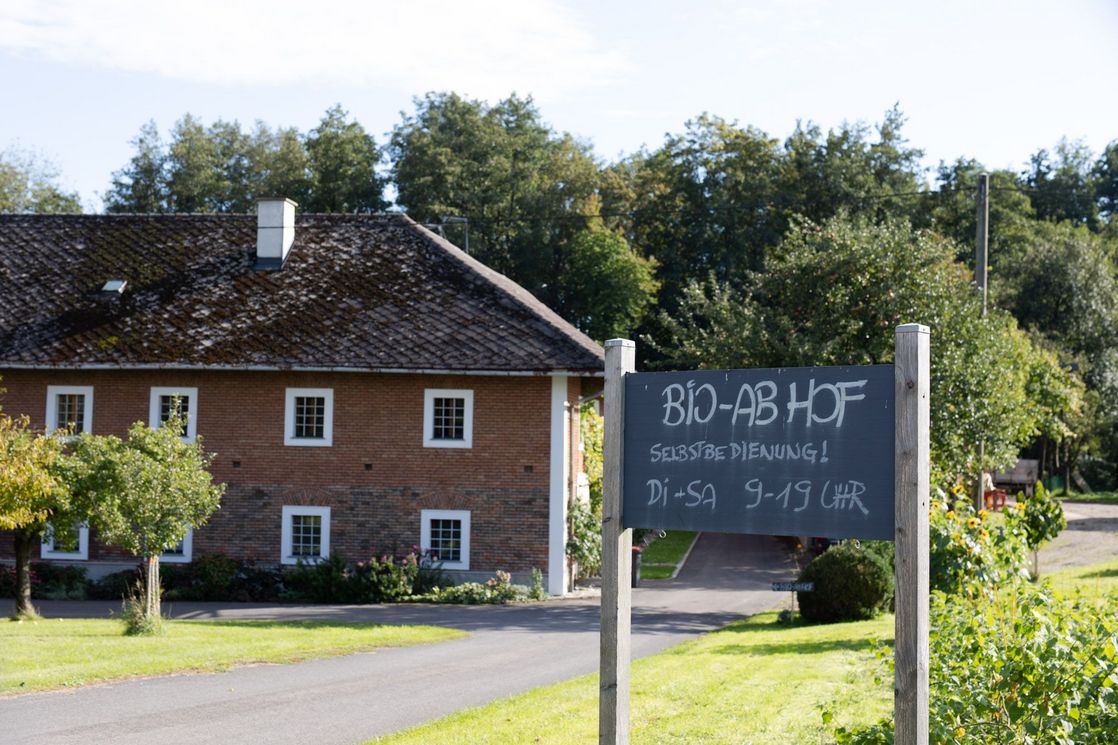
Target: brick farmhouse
365 385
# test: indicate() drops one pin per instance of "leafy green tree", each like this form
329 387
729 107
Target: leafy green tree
951 210
1065 288
708 201
608 287
716 198
280 163
195 180
149 490
33 497
342 159
1062 185
848 170
832 294
141 186
1106 182
524 188
28 183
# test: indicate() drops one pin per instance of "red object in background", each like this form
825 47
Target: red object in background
995 498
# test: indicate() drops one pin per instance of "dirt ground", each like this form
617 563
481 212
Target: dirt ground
1091 537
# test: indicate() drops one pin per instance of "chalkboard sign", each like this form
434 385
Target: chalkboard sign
793 451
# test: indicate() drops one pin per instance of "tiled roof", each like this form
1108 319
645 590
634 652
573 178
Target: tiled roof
360 292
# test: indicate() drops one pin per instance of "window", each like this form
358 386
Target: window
163 401
309 417
75 549
448 418
446 535
182 553
305 535
70 406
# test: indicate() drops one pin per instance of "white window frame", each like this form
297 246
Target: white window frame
425 518
82 554
54 391
327 438
190 394
290 511
429 396
187 551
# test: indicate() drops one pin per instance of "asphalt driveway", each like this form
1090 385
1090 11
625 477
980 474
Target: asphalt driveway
346 700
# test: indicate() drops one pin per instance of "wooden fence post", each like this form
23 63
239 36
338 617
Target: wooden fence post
617 543
910 687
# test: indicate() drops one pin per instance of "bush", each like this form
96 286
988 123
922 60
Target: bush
1024 666
851 584
386 580
584 545
380 580
207 577
497 590
968 552
328 581
58 582
115 586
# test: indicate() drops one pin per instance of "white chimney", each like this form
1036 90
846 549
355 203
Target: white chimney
275 231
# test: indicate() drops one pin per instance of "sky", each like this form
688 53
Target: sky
994 80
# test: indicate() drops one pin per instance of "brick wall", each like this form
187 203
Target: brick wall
376 477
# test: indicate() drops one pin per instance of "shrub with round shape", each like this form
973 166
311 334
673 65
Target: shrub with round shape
851 584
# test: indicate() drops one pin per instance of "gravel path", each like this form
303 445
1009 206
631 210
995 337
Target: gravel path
1090 538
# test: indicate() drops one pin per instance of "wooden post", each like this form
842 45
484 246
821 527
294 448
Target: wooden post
910 687
982 235
981 260
617 544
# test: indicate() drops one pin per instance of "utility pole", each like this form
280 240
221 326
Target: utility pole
981 258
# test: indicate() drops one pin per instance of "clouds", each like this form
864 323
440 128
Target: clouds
484 49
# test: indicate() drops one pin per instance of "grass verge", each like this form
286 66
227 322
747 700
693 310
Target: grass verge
752 682
36 655
660 558
1095 581
657 571
1099 497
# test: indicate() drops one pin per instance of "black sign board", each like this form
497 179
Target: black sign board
792 451
793 586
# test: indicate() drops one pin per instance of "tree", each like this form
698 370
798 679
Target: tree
951 211
29 184
195 178
1106 182
33 497
716 198
1065 288
149 490
525 189
343 158
608 287
833 293
141 186
1062 185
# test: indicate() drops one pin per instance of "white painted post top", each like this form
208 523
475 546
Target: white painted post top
913 328
620 343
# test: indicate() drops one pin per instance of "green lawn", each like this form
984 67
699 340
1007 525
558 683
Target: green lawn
752 682
1099 497
661 557
68 652
1093 581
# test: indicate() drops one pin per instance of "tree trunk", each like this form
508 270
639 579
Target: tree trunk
1036 564
26 538
152 609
